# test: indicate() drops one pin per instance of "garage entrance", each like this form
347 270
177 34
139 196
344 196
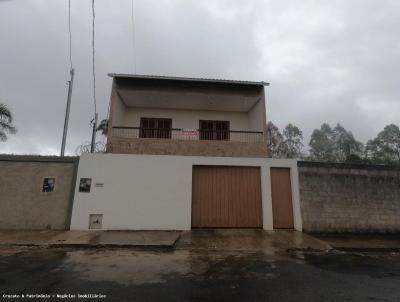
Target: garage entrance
281 191
226 197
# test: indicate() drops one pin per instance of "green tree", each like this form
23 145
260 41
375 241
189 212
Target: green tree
103 127
275 141
286 145
385 148
6 125
293 141
334 144
322 144
347 147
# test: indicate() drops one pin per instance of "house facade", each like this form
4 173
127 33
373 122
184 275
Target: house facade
180 116
185 153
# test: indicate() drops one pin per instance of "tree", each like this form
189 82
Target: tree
103 127
335 144
385 148
6 125
293 141
322 144
275 141
347 147
286 145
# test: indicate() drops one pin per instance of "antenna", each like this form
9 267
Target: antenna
94 121
133 36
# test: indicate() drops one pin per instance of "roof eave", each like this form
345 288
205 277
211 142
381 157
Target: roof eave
120 75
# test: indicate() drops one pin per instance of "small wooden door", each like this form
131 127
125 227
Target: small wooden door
281 191
226 197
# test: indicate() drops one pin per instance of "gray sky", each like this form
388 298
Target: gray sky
327 61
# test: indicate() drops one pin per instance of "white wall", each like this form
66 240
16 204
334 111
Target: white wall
118 110
153 192
256 117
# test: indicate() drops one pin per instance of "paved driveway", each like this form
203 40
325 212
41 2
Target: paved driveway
201 270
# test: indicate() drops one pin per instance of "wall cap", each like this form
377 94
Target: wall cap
314 164
39 158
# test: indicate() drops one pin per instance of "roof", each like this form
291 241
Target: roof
154 77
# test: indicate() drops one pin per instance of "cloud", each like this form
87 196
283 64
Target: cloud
326 61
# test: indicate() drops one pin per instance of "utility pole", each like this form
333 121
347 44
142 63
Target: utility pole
94 125
64 138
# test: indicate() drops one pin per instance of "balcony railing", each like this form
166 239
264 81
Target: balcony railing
192 135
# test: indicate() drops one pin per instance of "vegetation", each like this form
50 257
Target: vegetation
6 126
103 127
284 145
335 145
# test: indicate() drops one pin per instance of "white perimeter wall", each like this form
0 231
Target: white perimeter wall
154 192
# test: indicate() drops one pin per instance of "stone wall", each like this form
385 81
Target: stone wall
349 198
186 147
23 205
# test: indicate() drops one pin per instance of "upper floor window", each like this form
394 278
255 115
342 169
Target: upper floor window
214 130
155 127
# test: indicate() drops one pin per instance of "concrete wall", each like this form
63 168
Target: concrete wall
23 205
154 192
349 198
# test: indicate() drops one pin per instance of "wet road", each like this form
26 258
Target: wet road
201 274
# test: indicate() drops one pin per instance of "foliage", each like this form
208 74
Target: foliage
293 141
6 125
103 127
385 148
274 141
334 144
286 145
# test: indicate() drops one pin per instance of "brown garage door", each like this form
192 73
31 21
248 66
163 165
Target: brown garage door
281 191
226 197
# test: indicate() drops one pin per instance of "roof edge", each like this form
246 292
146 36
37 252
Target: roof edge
188 79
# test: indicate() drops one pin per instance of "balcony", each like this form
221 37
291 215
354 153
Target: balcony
137 140
182 134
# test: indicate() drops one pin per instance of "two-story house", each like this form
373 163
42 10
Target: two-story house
186 153
183 116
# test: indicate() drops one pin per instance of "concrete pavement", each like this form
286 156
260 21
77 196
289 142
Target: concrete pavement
362 242
211 239
147 239
235 271
228 239
249 239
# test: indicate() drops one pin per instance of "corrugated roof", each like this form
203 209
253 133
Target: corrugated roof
139 76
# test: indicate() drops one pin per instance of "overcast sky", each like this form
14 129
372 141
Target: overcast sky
327 61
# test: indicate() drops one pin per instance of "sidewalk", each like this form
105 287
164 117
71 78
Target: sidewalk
249 240
362 242
155 239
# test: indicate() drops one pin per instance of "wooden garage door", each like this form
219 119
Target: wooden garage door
226 197
281 191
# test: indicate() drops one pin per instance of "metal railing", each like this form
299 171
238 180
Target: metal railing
184 134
